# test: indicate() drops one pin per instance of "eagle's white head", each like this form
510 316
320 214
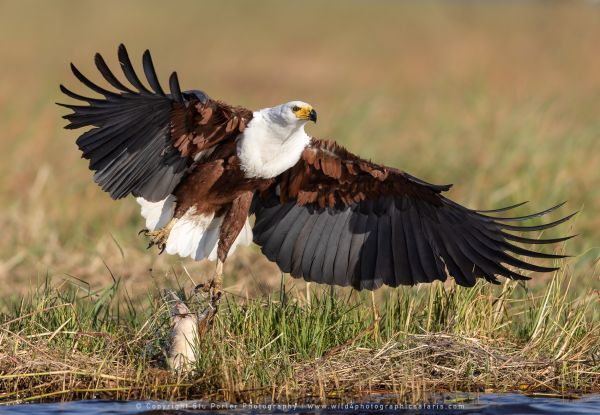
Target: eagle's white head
274 139
293 113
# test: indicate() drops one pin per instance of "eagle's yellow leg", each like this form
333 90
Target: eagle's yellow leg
160 236
214 287
214 284
217 281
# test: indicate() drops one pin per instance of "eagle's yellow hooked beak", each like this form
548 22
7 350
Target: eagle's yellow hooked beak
306 113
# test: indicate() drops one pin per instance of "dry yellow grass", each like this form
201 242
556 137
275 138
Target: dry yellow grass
500 99
64 343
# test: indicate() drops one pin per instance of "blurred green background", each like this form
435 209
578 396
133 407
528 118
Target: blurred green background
500 98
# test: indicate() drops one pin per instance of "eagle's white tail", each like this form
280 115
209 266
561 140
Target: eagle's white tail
195 236
157 214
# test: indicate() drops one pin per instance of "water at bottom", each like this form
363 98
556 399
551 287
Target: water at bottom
490 404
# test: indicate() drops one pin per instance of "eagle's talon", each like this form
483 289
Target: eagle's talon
158 237
217 294
206 287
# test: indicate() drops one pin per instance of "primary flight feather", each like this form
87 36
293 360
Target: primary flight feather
200 168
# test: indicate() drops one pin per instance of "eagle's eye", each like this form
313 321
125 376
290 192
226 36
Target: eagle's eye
295 108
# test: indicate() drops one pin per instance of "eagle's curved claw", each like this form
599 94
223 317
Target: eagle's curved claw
201 288
158 237
204 288
214 287
212 292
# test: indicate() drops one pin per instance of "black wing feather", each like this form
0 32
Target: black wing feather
410 239
310 248
71 94
300 245
533 241
316 272
537 227
108 75
384 266
151 73
129 72
175 89
368 255
272 246
130 146
402 269
340 267
526 217
91 85
399 241
358 230
337 234
284 257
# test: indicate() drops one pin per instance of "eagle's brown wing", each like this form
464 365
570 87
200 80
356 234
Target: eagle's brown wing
337 219
143 141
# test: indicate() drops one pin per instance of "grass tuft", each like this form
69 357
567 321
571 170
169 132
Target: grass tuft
62 342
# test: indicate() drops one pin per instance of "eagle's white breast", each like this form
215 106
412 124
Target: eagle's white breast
270 145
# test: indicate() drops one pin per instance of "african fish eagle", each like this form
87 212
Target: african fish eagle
200 168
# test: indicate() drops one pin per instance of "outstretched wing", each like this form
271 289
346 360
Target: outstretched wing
337 219
143 141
